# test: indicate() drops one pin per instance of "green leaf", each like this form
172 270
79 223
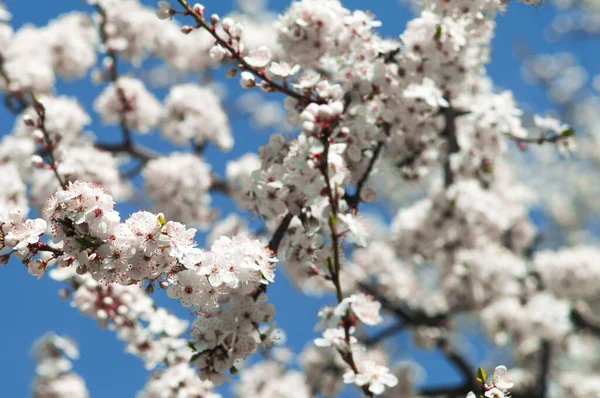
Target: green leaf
192 345
195 356
87 243
438 31
568 132
481 376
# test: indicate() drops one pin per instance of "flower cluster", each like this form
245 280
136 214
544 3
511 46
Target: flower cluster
369 112
194 113
222 340
235 265
128 99
53 375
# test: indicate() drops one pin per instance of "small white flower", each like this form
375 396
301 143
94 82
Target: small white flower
376 376
495 393
247 80
259 57
363 306
217 53
502 379
335 338
428 92
283 69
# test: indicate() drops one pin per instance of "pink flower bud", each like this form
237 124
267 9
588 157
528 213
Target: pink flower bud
187 29
198 9
37 161
38 135
214 19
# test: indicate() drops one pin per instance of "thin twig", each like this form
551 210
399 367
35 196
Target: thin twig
384 334
354 200
114 77
280 232
449 132
201 23
546 357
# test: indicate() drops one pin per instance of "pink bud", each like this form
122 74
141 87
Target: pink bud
28 120
187 29
37 161
198 9
38 135
231 73
214 19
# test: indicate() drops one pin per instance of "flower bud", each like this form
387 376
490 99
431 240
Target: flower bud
186 29
37 161
149 289
163 284
164 10
214 19
198 9
4 259
38 135
227 24
217 53
247 80
231 73
28 120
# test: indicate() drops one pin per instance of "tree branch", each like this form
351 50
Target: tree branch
546 357
354 200
138 151
583 317
201 23
409 316
280 232
384 334
449 132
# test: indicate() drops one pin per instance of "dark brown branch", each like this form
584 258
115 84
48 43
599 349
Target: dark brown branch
138 151
583 317
280 232
384 334
546 357
543 138
49 144
469 382
10 98
409 316
114 77
354 200
445 391
459 362
449 132
220 185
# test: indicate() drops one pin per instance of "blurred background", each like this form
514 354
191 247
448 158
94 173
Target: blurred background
547 56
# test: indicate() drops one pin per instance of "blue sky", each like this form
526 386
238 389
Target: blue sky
30 307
